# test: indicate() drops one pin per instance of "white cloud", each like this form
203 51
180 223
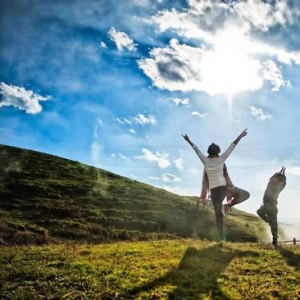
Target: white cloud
122 40
258 113
184 101
143 3
293 170
194 22
154 178
142 119
124 121
273 74
196 113
168 177
132 131
175 190
235 53
180 67
103 45
263 15
123 157
178 163
20 98
171 179
206 19
160 158
175 67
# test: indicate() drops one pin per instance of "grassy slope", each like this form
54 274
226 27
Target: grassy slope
46 198
166 269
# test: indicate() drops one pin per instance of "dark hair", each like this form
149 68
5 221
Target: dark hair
213 149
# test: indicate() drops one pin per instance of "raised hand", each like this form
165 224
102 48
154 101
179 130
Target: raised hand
244 133
185 136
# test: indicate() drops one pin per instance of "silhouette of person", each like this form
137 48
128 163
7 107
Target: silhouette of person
268 211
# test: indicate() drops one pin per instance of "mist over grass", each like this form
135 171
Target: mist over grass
289 231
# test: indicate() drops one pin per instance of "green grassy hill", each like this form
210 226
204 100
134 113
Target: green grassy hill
44 198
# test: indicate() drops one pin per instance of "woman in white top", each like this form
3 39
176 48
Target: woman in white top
217 181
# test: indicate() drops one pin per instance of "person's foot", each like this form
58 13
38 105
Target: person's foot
274 242
222 241
225 209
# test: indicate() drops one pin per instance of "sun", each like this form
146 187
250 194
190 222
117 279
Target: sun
228 68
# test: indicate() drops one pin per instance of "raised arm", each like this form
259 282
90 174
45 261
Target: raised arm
197 150
244 133
186 137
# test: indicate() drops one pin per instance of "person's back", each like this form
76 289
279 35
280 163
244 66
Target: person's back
214 163
216 180
275 185
214 170
268 210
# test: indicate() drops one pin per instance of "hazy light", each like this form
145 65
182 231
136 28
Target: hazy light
229 68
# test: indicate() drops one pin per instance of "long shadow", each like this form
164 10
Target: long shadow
197 274
291 258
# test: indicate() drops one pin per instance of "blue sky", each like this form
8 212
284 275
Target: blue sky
114 84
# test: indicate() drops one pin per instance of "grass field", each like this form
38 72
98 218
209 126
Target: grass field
165 269
72 231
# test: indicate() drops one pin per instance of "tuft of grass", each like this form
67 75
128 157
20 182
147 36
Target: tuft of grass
166 269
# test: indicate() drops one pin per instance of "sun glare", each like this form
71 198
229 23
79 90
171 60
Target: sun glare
228 68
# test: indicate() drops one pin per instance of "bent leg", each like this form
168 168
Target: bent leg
239 196
262 213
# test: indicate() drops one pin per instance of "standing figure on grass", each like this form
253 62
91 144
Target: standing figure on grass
217 181
268 210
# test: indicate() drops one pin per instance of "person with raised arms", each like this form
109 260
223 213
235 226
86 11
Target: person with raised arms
268 211
217 182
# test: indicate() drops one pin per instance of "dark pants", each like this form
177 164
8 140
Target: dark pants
217 196
269 214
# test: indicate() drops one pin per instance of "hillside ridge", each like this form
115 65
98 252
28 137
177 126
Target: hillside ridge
46 198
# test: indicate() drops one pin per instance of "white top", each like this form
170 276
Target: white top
214 166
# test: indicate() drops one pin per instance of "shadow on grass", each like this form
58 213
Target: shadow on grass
197 274
291 258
